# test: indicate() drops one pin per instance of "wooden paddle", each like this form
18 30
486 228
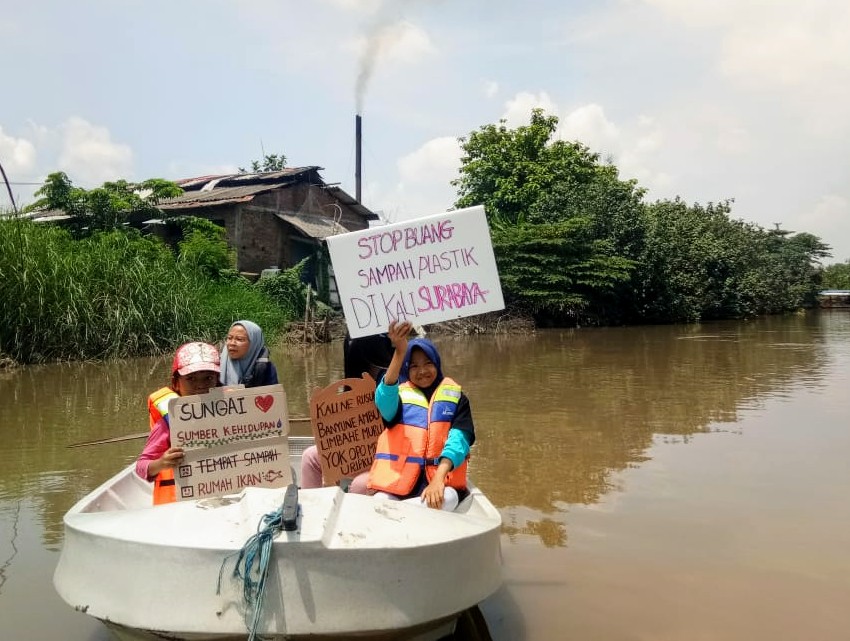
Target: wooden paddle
139 435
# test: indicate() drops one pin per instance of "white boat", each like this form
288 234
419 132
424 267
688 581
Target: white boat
355 566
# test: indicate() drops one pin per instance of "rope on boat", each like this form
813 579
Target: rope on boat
252 563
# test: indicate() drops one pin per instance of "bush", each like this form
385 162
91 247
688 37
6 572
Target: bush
286 289
113 294
204 248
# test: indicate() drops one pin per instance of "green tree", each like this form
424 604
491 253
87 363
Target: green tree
557 271
270 162
509 170
204 248
836 276
104 208
566 229
700 264
575 242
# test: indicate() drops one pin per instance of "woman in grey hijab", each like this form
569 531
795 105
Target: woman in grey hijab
245 359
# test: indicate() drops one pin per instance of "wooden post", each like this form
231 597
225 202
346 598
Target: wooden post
307 312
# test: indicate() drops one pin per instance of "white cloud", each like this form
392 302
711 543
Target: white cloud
734 140
17 154
178 169
364 6
89 155
782 43
634 147
589 125
436 159
491 88
518 109
789 50
424 178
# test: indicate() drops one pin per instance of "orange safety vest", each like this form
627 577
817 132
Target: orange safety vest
163 483
417 440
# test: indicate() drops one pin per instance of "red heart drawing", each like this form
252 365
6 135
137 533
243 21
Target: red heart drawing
264 402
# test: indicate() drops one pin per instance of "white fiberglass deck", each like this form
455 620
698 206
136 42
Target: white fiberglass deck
356 564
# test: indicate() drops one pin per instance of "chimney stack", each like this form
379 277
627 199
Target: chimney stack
358 143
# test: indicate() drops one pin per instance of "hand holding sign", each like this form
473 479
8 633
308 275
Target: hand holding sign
346 426
230 439
425 270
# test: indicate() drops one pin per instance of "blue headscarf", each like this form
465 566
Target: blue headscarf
233 372
430 351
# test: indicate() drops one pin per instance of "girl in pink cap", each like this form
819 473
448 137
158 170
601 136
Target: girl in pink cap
195 370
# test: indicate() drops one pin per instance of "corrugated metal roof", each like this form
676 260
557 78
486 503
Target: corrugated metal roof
313 226
216 196
347 199
46 215
209 191
235 180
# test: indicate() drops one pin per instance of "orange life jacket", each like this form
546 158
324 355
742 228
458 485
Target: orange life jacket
417 440
163 483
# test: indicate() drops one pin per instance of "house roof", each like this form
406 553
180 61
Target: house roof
225 189
313 226
46 215
286 175
216 196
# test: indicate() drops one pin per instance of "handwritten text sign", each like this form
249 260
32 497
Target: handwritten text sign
425 270
232 438
345 426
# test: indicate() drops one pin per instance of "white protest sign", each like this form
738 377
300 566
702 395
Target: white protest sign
232 438
425 270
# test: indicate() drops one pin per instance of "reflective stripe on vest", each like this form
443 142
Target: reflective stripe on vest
163 483
164 488
158 404
403 450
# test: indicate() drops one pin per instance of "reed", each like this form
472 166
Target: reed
112 295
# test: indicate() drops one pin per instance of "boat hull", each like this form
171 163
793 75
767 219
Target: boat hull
356 566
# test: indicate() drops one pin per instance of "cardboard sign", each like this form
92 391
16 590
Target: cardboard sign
232 438
425 270
346 426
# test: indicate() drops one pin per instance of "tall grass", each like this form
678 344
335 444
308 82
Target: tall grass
111 295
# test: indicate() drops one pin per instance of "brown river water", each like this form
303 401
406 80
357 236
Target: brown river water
656 483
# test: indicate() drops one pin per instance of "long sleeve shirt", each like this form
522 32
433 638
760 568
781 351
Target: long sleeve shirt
461 433
159 440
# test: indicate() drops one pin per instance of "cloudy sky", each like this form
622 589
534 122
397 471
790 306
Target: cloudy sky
722 99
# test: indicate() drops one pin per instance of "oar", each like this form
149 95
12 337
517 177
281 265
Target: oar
139 435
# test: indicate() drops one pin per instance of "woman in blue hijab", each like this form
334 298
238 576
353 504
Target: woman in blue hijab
245 359
422 454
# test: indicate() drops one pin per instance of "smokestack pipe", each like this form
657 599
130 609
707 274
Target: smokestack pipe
358 141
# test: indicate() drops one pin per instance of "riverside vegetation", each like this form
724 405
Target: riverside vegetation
574 244
115 294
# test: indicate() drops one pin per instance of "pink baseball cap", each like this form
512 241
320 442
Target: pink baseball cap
195 357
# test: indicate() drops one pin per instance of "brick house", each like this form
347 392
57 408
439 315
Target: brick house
274 219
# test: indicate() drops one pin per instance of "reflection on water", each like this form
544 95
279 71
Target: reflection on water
562 418
560 413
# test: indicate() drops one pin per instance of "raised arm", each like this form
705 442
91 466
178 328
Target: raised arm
398 333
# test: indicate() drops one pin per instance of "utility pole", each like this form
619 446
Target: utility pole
9 189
